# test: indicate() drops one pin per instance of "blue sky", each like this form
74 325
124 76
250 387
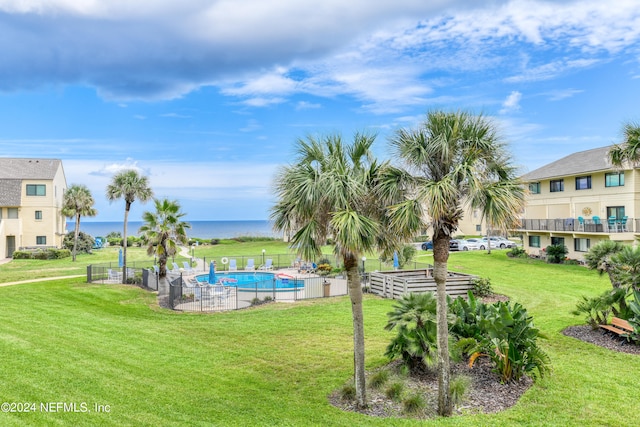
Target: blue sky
208 97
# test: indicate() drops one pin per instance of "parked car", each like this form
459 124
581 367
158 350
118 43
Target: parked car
497 243
427 245
463 245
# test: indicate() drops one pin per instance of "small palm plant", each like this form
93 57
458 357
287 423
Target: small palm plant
414 317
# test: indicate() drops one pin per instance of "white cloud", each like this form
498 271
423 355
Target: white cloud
512 103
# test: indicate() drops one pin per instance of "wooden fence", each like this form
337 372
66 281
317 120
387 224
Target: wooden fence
394 284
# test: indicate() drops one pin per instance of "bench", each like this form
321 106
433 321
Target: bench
619 327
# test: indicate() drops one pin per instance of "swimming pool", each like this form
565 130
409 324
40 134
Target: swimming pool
256 281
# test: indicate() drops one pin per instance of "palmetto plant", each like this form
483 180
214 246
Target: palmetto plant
414 319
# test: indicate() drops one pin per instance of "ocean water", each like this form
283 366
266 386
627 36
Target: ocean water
200 229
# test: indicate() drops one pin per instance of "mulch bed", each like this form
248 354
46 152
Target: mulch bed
485 393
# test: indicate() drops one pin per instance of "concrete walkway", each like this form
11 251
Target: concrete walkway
42 279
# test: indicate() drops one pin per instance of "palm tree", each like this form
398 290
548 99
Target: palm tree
77 202
456 159
599 258
629 151
128 185
331 190
163 230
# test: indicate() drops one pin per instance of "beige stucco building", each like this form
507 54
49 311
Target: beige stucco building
579 201
31 197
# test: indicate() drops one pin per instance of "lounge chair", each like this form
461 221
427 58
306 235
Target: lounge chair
187 267
251 265
114 275
233 266
268 265
176 269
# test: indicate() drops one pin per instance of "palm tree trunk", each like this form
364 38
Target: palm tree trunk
355 294
124 243
440 258
75 236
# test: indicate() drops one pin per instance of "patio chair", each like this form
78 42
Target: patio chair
251 265
613 224
622 224
114 275
233 266
580 223
268 265
187 267
176 269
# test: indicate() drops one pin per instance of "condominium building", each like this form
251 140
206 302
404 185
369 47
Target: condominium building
579 201
31 198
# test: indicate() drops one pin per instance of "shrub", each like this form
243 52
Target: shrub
46 254
510 341
324 269
597 309
414 404
458 389
467 316
21 255
379 379
348 392
394 391
556 253
517 252
214 241
482 287
85 242
416 341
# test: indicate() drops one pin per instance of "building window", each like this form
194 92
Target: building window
615 211
534 188
583 183
479 228
12 213
556 185
38 214
41 240
557 241
614 179
36 190
534 241
582 245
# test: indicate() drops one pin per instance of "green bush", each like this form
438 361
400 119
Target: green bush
556 253
379 379
517 252
459 388
42 254
414 404
597 309
394 391
348 392
482 287
21 255
414 317
510 341
85 242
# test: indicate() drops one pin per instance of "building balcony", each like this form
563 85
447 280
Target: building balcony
572 225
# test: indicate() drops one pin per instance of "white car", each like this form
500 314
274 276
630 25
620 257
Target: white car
497 243
465 245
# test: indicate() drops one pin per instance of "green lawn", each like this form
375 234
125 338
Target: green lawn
66 341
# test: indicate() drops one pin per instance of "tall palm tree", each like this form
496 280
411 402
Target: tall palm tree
163 230
128 185
456 159
331 190
78 202
629 150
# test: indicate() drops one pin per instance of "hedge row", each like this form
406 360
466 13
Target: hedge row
50 253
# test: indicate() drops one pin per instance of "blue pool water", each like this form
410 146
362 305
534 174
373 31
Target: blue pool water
260 281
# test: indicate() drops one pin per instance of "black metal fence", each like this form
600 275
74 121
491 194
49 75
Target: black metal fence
208 298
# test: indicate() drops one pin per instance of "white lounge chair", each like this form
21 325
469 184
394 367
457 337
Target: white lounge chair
176 269
268 265
251 265
114 275
187 267
232 265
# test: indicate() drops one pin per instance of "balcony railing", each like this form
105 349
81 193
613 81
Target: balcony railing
570 225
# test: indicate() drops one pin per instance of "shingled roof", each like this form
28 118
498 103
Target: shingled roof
582 162
28 168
